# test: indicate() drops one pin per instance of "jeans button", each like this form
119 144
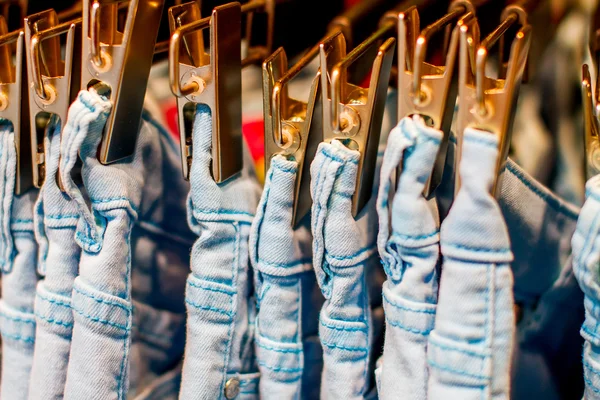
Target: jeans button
232 388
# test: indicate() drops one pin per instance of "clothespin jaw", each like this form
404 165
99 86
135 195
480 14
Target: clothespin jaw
53 83
14 103
294 128
487 103
591 126
425 89
353 114
217 84
120 62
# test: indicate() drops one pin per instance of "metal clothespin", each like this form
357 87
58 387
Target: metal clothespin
119 62
14 104
53 82
487 103
353 114
213 80
591 126
591 102
294 128
426 89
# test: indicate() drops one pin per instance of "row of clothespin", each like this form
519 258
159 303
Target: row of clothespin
110 48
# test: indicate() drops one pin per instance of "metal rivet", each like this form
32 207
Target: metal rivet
232 388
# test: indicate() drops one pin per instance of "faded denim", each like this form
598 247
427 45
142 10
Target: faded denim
219 351
282 261
586 259
18 259
410 254
470 349
120 345
55 218
344 255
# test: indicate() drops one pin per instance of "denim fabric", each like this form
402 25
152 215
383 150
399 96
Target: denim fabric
219 350
410 257
540 225
18 253
586 259
282 261
55 221
469 351
344 252
121 195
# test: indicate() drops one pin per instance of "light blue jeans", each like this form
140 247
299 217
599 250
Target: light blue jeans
344 255
55 220
287 310
469 352
586 261
219 350
18 259
128 226
410 254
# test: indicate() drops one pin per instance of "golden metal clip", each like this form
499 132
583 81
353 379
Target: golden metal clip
214 80
120 62
294 128
353 114
426 89
591 126
14 103
486 103
53 82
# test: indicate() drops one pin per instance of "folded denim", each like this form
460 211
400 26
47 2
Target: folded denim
18 260
345 262
55 221
219 350
586 259
540 225
410 254
470 349
110 329
284 281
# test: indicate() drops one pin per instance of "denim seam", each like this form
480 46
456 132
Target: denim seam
336 158
590 384
589 367
285 265
476 249
209 308
20 338
397 324
198 286
456 371
416 237
342 347
401 307
100 320
345 329
59 216
22 221
369 247
279 369
283 169
466 352
17 319
552 202
100 300
52 301
54 321
292 351
228 212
